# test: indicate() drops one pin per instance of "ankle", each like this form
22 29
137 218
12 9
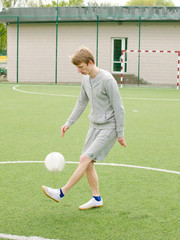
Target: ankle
97 198
61 193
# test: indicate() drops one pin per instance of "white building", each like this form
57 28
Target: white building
39 46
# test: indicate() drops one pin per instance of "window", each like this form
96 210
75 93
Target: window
118 44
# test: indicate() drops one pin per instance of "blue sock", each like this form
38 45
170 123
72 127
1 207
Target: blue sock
97 198
61 193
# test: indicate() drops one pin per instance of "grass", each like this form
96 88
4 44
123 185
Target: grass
138 204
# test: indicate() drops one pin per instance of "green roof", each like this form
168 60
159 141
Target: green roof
90 14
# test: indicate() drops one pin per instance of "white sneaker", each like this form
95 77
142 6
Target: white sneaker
52 193
91 204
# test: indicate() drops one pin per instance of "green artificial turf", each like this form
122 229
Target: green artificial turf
139 204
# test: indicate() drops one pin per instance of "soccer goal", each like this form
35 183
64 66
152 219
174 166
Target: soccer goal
150 67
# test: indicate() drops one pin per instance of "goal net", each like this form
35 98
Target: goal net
150 67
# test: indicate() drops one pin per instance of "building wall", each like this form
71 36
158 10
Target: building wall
37 49
36 52
71 37
11 52
160 67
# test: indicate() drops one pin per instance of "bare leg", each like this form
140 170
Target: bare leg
78 174
92 179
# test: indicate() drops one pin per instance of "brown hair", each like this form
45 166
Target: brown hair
83 54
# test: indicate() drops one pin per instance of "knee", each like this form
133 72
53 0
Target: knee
81 158
84 160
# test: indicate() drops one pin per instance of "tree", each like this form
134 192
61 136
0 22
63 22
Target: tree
69 3
40 3
96 4
167 3
3 38
6 3
12 3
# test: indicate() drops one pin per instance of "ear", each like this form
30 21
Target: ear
91 62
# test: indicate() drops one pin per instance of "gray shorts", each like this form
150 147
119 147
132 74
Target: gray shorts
98 143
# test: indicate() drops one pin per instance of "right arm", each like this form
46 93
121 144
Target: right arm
78 110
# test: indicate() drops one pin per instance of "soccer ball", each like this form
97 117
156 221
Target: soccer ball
54 162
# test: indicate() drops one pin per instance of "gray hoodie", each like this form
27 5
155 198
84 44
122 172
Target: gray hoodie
107 111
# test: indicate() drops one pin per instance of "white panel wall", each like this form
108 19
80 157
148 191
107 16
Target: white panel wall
71 37
37 48
11 52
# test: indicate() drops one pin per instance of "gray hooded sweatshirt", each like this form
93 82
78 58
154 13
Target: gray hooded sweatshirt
107 111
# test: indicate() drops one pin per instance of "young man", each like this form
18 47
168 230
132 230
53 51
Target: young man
106 124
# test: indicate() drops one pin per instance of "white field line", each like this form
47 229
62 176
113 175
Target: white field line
75 96
79 86
101 164
15 237
47 94
153 99
52 85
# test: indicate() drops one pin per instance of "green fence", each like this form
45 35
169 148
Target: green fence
39 46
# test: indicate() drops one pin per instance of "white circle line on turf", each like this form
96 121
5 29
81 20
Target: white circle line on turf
102 164
153 99
64 85
47 94
75 96
15 237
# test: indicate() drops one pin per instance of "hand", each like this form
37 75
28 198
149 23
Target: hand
63 130
122 141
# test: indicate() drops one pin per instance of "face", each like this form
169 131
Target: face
84 68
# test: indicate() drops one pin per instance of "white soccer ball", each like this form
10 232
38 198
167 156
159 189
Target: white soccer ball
54 162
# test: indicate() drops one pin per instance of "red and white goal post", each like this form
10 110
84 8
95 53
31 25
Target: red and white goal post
150 51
